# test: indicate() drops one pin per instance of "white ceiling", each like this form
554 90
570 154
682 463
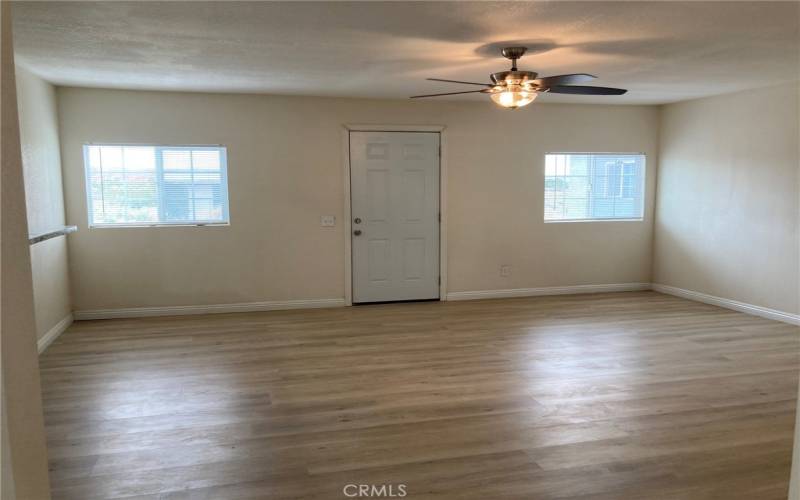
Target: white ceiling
660 51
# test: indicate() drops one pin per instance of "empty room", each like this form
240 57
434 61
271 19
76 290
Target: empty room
426 250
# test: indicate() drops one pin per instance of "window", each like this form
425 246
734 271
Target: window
589 186
156 185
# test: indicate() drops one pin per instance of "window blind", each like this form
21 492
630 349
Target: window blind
156 185
593 186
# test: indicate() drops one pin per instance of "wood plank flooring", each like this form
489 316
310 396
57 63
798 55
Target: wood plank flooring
610 396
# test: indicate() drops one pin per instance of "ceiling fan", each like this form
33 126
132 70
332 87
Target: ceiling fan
514 89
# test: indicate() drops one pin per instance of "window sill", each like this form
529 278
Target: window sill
133 226
592 220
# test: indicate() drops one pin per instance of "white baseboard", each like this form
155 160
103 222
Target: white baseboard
142 312
53 333
547 290
764 312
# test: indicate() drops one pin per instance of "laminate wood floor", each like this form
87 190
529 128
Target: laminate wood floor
610 396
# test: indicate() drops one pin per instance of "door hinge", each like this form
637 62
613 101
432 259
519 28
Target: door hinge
440 280
439 215
440 151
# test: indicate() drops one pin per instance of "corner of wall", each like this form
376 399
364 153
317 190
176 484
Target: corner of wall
654 241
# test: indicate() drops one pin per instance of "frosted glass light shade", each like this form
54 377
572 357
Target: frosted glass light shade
513 96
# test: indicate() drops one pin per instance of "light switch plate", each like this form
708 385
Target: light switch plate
327 221
505 271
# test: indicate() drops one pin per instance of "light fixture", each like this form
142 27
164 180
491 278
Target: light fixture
513 95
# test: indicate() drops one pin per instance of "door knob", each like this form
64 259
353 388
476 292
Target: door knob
357 232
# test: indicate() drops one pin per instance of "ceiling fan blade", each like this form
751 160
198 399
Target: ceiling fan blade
550 81
447 93
583 90
458 81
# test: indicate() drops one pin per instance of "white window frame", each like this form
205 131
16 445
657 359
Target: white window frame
643 186
159 178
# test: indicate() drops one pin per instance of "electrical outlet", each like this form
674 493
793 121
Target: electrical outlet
327 221
505 271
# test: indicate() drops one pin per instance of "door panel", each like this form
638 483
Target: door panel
379 259
414 194
394 188
413 259
377 195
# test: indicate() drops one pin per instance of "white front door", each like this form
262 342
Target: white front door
394 186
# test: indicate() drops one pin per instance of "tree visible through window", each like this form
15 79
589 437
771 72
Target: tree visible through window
589 186
153 185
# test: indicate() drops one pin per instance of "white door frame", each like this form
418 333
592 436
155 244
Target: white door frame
348 222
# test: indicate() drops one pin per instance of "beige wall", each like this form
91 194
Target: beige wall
41 160
41 154
23 436
727 214
285 170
